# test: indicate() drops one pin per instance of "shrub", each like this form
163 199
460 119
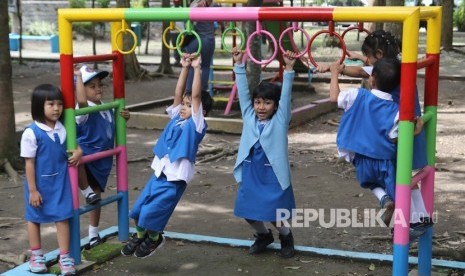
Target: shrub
41 28
459 17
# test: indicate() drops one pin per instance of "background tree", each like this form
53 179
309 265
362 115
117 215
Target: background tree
253 69
132 69
165 64
394 28
8 148
447 24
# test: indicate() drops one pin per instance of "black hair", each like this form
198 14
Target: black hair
41 94
386 72
268 91
381 40
206 99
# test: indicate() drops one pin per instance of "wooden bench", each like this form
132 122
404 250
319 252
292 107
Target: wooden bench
54 45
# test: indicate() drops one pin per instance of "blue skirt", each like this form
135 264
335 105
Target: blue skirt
260 194
157 202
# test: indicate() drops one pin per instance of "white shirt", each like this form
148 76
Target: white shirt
346 99
181 169
29 141
81 119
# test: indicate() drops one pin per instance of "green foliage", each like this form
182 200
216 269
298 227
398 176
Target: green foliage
84 28
139 3
41 28
77 4
459 17
103 3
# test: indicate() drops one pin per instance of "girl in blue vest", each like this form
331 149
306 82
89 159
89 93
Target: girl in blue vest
95 133
377 45
173 164
262 167
367 132
47 189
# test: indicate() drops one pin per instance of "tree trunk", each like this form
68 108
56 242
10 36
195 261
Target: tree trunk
372 26
447 24
8 148
253 69
394 28
165 64
132 69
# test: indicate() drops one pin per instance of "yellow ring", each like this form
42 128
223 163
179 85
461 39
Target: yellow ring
167 45
133 35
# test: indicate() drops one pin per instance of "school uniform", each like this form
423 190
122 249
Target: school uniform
48 147
95 133
173 167
365 134
262 166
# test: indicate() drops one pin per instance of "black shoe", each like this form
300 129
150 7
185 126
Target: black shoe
132 245
95 241
418 229
261 242
287 245
148 247
92 198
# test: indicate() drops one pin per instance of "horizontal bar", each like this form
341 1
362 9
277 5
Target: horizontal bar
103 202
419 176
104 57
429 61
428 115
100 155
96 108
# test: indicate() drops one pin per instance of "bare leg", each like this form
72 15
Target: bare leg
63 235
33 230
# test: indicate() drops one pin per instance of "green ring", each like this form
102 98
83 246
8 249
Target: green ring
187 32
237 30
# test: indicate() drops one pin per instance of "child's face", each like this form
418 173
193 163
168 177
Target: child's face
52 111
94 90
186 110
264 108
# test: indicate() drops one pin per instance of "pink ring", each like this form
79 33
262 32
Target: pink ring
249 41
291 37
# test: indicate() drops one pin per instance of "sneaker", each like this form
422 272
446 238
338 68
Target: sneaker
389 207
95 241
287 245
418 229
67 265
92 198
132 245
37 264
261 242
148 247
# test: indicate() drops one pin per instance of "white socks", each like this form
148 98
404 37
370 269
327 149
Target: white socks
87 191
379 193
93 231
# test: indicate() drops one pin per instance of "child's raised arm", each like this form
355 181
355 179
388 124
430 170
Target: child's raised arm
181 84
196 84
237 55
334 89
81 97
289 60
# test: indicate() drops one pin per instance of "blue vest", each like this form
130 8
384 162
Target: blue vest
96 134
364 128
179 142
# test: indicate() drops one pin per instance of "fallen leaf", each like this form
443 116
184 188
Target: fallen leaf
372 267
292 267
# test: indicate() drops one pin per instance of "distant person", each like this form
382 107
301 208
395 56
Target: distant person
262 167
173 165
367 133
206 31
47 188
95 133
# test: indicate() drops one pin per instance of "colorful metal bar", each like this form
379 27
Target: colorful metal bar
95 58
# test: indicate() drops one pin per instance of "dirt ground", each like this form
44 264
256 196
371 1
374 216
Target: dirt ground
320 181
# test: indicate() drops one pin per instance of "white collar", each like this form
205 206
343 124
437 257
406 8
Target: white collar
44 127
382 95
